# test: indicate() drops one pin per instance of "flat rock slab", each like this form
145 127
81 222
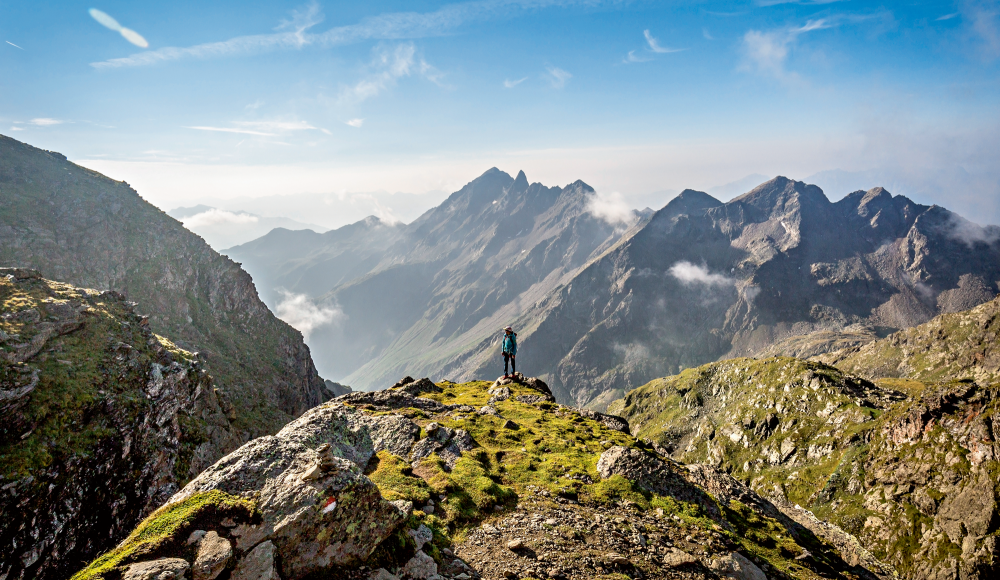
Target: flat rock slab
162 569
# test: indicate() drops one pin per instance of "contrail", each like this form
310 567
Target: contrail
12 44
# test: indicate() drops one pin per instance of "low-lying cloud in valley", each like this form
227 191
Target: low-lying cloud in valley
215 217
689 274
303 314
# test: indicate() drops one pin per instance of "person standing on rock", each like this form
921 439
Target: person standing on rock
509 350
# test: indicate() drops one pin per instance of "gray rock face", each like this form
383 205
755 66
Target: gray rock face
162 569
258 564
145 404
318 509
610 421
447 443
419 387
214 553
390 400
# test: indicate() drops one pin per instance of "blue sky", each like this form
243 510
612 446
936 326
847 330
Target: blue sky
261 98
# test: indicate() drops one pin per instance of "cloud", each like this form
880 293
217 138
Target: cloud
355 123
969 233
557 77
689 274
654 45
612 208
217 217
947 16
112 24
631 57
16 128
388 66
983 19
12 44
706 34
766 52
254 105
509 84
45 122
303 314
265 128
233 130
294 33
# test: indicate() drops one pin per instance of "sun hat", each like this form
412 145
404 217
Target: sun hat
508 328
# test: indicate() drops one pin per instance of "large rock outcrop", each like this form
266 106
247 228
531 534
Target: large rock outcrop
80 227
101 421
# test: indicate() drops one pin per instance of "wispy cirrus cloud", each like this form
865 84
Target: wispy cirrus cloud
509 84
45 122
110 23
12 44
766 52
388 65
654 44
557 77
264 128
631 57
294 33
983 20
356 123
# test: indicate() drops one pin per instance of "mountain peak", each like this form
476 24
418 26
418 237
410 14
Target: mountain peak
778 192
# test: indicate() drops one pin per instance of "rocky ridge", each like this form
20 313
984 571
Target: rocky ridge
80 227
101 420
474 480
909 468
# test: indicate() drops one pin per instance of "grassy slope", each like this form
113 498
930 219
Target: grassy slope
839 447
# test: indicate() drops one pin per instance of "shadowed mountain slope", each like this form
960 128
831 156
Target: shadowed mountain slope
705 280
420 296
80 227
600 310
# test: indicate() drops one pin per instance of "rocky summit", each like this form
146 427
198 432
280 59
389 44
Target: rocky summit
897 447
101 421
428 480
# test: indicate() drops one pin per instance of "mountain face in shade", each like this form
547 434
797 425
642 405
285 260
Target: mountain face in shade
80 227
418 297
600 309
706 280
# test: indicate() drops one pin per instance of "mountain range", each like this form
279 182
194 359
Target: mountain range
601 307
222 228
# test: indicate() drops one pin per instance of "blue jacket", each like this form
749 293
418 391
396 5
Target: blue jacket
510 344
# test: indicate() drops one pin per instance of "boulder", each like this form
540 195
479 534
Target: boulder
162 569
258 564
419 387
420 567
214 553
737 567
317 507
421 536
610 421
391 400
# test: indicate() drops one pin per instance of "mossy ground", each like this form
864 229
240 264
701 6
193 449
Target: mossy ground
553 451
166 530
74 377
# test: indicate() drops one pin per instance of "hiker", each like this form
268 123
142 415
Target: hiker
509 350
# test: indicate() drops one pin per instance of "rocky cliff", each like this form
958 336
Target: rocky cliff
80 227
101 421
907 466
476 480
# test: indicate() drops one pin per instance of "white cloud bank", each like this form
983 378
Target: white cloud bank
690 274
303 314
612 208
217 217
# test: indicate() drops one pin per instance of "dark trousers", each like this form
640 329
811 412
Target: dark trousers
513 365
